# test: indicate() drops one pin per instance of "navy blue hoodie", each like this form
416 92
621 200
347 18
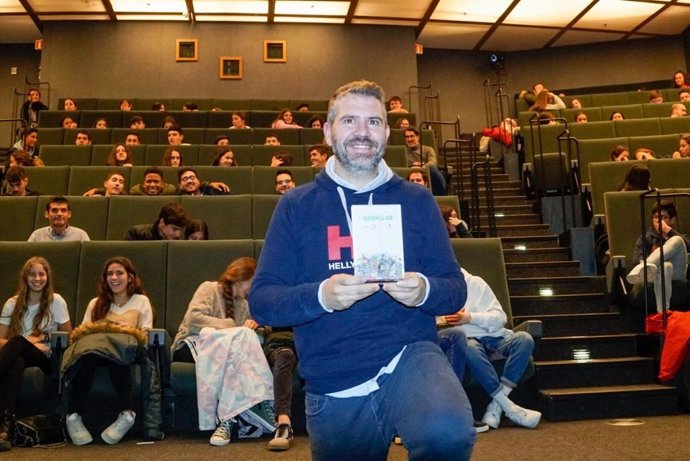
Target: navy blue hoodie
308 241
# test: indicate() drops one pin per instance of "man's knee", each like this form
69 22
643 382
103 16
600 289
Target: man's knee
524 340
449 436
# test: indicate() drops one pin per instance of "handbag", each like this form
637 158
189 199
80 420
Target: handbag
43 431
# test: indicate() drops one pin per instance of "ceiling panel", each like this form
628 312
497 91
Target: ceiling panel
149 6
313 8
671 21
623 15
450 36
550 13
230 6
44 6
10 6
392 8
576 37
470 10
514 38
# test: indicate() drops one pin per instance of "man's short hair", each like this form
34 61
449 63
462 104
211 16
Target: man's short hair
58 199
321 149
136 119
684 90
173 213
15 174
132 133
153 170
414 130
220 138
420 171
28 131
287 172
360 87
183 170
175 128
666 205
113 173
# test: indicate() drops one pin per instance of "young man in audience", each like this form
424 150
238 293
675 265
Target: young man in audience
190 184
272 140
318 154
419 156
477 334
684 95
170 225
114 184
418 176
58 213
137 123
83 138
222 140
678 110
284 181
132 139
175 136
153 184
17 182
662 232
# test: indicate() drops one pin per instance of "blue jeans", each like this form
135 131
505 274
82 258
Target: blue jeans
453 343
422 401
516 349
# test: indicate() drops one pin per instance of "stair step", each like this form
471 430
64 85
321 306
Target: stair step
595 372
582 303
542 268
533 286
515 230
581 324
551 254
510 200
597 346
529 241
505 209
569 404
512 219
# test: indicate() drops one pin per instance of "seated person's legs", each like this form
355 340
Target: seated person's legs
453 343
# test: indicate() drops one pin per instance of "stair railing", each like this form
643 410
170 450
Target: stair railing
436 126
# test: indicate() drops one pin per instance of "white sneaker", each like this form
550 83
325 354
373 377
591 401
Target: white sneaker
223 434
492 415
636 275
114 433
77 431
523 416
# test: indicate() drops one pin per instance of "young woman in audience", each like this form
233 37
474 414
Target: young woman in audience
620 154
218 325
684 147
616 116
282 158
172 157
315 121
681 80
119 156
456 226
120 307
28 319
284 120
126 105
547 101
224 157
637 178
239 121
100 123
644 153
402 123
168 122
575 104
68 122
70 104
197 229
580 117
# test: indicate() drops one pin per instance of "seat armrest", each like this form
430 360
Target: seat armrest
533 327
158 337
59 339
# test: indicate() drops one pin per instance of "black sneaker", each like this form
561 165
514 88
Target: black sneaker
6 425
282 439
480 426
261 415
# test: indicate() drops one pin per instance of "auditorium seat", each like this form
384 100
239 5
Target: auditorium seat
99 154
670 173
52 118
593 114
50 136
657 110
84 178
232 105
137 174
262 154
49 180
146 136
204 104
113 117
597 150
275 105
629 111
608 99
227 216
637 127
63 155
189 119
606 177
396 156
663 145
675 125
261 118
23 213
286 136
263 206
302 117
311 136
145 104
193 135
126 211
88 213
241 153
239 178
155 152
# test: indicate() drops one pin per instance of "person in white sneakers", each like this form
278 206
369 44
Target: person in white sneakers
675 246
481 323
121 307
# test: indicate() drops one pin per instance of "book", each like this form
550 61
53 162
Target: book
377 242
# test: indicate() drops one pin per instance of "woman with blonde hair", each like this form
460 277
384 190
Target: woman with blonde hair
217 334
28 318
547 101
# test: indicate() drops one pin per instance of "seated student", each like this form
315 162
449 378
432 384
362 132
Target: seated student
684 147
418 176
476 336
120 307
83 138
282 158
172 219
17 182
575 103
395 104
684 95
119 155
100 123
456 226
27 321
580 117
158 106
304 107
644 153
218 323
272 140
530 96
676 248
424 156
239 121
222 140
68 122
58 213
224 157
681 80
615 116
70 104
28 142
284 120
190 184
172 157
318 155
168 122
678 110
402 123
655 97
316 122
153 184
547 100
132 139
176 136
32 107
284 181
620 154
137 122
190 107
114 184
637 178
197 229
126 105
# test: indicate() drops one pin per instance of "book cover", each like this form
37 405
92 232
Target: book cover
377 242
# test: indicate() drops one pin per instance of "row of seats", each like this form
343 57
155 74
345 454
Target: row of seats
108 218
659 134
184 119
609 99
303 136
244 155
203 103
607 176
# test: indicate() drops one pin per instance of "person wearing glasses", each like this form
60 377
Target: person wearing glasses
284 181
190 184
676 246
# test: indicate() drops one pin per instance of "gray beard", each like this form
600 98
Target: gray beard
358 165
